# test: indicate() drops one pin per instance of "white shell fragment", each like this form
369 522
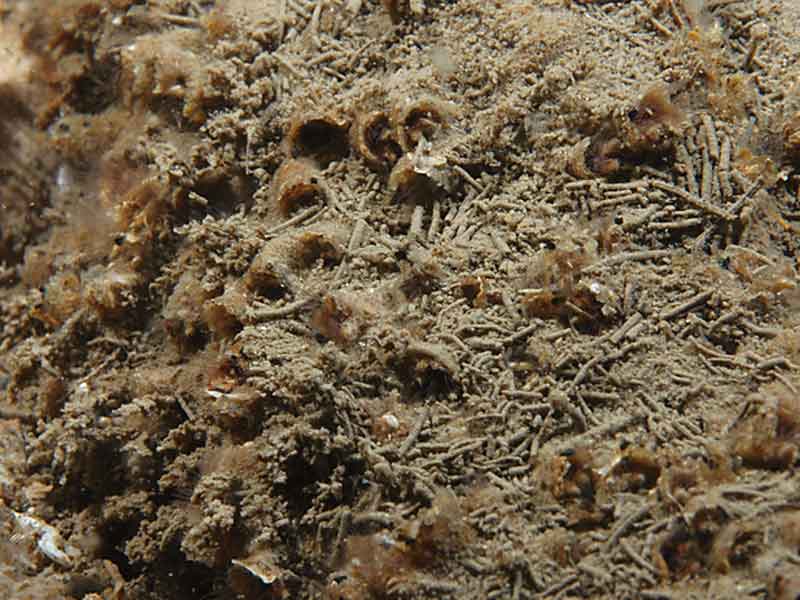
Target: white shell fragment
48 540
260 567
434 166
391 421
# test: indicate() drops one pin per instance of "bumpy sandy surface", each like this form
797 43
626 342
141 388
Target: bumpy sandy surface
430 299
